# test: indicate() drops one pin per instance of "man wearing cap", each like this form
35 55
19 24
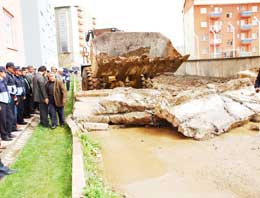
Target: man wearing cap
4 101
20 94
11 123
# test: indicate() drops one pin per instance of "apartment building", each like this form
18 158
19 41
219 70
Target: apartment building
39 32
71 30
11 34
221 28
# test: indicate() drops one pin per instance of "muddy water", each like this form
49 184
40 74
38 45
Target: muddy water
149 162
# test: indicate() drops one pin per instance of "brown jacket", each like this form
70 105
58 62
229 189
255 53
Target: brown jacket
59 93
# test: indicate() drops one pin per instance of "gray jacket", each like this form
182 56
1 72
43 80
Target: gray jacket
39 91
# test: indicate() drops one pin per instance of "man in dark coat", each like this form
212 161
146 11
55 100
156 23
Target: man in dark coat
20 95
40 96
28 94
257 82
11 122
57 97
4 101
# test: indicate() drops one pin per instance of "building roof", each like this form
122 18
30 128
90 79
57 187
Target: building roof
222 2
219 2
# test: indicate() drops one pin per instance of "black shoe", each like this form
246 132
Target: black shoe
16 130
27 117
11 136
54 127
22 123
7 139
5 170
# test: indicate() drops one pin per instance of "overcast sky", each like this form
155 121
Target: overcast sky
163 16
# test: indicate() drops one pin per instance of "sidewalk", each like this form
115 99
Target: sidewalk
9 154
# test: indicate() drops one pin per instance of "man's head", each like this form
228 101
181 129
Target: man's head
24 71
42 70
17 71
53 69
10 67
31 69
51 77
2 72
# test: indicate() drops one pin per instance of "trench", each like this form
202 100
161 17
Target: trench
159 162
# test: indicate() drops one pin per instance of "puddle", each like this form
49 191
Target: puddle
152 162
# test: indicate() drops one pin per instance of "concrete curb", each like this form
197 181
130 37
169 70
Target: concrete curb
13 149
78 176
78 170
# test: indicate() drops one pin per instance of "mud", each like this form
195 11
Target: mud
155 163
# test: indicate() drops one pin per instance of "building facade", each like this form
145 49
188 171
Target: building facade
39 33
11 33
221 28
71 29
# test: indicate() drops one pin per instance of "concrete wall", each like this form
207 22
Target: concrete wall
218 67
39 33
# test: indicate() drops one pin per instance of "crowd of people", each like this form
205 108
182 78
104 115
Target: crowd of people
25 91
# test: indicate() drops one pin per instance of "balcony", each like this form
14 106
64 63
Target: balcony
215 15
246 14
215 41
215 28
245 27
245 54
246 41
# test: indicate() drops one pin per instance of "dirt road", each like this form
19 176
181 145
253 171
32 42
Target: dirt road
156 163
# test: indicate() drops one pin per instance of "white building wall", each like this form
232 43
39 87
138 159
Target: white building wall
39 33
189 35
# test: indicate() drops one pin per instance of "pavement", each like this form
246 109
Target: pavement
12 148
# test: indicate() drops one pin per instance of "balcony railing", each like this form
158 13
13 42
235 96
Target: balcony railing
243 54
246 27
246 41
215 15
246 14
215 28
215 41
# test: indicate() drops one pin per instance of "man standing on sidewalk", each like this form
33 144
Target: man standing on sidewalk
40 96
57 97
4 101
11 122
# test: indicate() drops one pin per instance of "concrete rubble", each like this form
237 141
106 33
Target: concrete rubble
198 108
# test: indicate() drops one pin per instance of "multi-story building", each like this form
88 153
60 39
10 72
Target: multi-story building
11 34
71 29
221 28
39 33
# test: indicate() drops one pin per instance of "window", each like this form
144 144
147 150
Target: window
9 29
254 8
229 42
254 49
205 50
229 15
63 32
203 10
254 35
229 28
204 38
203 24
254 22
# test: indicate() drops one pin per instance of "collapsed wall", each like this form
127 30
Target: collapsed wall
209 110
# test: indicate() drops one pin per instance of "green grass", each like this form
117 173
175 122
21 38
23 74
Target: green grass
44 165
95 187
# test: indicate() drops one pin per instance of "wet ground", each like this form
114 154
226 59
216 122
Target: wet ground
156 163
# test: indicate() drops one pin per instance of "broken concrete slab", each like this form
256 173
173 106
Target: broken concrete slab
90 126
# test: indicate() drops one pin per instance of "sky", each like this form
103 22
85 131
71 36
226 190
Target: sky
163 16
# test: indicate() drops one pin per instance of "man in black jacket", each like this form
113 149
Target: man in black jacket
20 94
28 93
11 122
257 82
40 96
